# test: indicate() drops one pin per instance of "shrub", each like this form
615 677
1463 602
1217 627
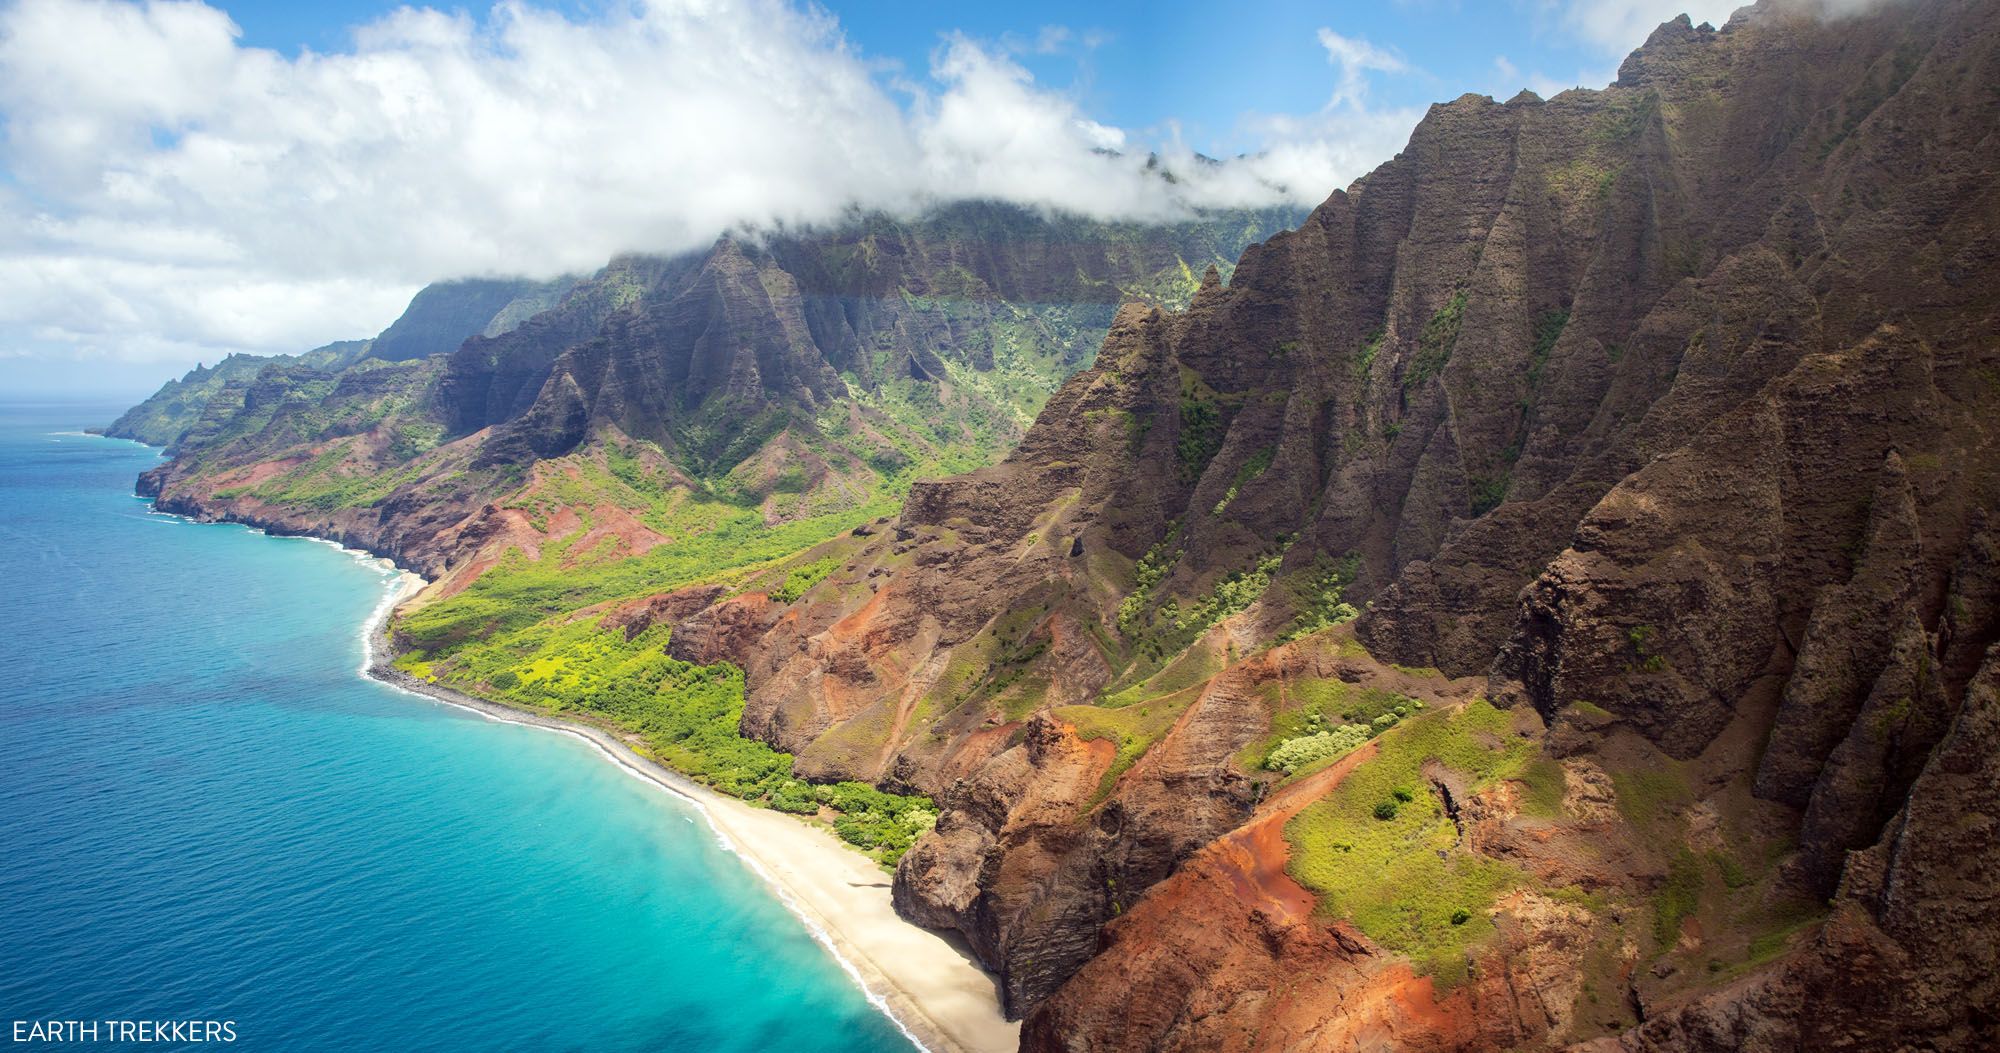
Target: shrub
1306 750
1435 343
1319 596
1460 916
799 579
1385 811
1200 436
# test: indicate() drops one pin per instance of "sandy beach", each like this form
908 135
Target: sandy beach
937 995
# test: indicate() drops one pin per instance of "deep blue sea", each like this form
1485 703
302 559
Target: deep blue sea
208 813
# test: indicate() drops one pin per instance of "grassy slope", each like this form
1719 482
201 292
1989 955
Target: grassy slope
685 714
513 634
1380 848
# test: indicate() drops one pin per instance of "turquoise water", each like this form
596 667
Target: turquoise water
207 813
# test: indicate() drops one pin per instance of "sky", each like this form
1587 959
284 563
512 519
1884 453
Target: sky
183 180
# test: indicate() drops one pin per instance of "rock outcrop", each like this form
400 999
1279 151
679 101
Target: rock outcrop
1664 409
1662 416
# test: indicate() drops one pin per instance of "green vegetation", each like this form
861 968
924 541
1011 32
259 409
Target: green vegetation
1548 329
1320 595
1435 343
750 491
686 716
1398 871
1644 640
1488 491
1146 577
1882 82
1312 706
520 592
1132 728
1778 928
327 483
997 667
1170 627
1364 359
1583 179
177 408
1543 786
1678 898
800 579
884 823
512 634
1733 874
1651 797
1187 669
1236 591
1201 426
1251 469
1306 750
1624 119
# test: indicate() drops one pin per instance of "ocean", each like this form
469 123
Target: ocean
207 813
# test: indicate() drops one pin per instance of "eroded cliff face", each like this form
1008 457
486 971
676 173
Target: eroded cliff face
1664 414
1661 416
800 376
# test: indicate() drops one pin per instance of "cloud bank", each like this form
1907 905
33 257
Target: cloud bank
1618 26
171 193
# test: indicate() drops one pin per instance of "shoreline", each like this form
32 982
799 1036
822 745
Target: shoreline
931 991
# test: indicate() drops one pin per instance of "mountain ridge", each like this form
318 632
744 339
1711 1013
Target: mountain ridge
1544 600
789 376
1515 380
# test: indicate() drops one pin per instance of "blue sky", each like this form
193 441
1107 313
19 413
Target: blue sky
1144 65
181 180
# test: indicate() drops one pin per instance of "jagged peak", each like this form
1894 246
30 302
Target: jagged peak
1470 102
1660 56
1679 27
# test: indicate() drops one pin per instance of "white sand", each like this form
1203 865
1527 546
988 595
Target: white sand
932 991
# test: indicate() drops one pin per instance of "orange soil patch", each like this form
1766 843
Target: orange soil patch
850 628
254 474
610 521
1253 857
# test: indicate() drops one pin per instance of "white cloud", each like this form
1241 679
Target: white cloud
1355 59
175 190
1618 26
1327 149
